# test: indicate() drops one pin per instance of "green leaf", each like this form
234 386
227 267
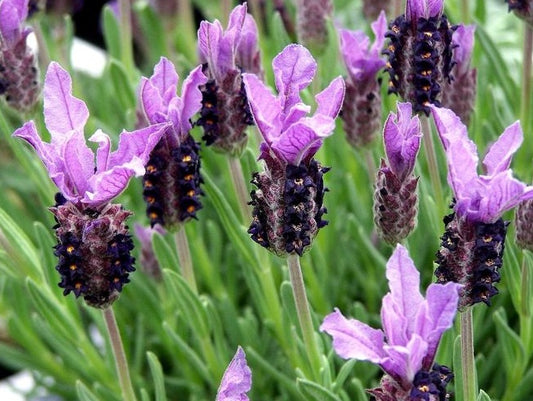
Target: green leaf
512 350
315 391
457 369
84 393
482 396
112 33
124 92
153 32
157 374
345 371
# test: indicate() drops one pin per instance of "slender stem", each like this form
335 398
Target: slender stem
467 356
120 357
525 312
432 160
304 314
239 185
184 256
526 79
126 52
371 166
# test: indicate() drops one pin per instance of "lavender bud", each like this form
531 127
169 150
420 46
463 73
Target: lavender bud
523 9
372 8
523 221
311 17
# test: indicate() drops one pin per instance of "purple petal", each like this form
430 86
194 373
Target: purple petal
191 97
416 9
403 362
209 38
264 107
461 152
463 39
330 100
405 296
78 166
62 111
499 156
401 137
247 53
437 315
12 15
165 79
237 379
301 140
354 339
379 27
152 104
294 69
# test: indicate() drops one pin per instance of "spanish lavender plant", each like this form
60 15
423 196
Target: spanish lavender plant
420 53
522 9
93 240
287 205
311 27
395 198
459 94
361 110
412 328
472 246
225 54
237 379
172 179
19 76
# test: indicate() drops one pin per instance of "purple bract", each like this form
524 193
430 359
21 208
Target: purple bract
237 379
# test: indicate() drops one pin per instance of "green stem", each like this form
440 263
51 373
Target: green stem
126 41
467 357
432 162
304 313
184 256
526 79
239 185
120 356
525 312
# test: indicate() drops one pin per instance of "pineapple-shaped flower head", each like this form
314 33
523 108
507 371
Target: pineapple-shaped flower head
472 246
172 179
287 205
420 53
459 94
93 240
412 328
395 199
361 110
225 54
522 9
18 68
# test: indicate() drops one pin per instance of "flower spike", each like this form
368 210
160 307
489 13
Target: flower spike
412 329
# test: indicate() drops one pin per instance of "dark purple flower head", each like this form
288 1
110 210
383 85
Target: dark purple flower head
416 9
412 325
161 104
237 379
480 198
362 60
290 136
401 137
70 162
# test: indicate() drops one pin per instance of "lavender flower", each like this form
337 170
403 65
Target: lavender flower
18 69
412 329
420 53
287 205
523 9
93 241
395 199
148 260
472 245
523 222
225 53
311 18
459 95
361 110
172 179
237 379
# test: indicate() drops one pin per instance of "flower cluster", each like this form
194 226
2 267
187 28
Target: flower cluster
19 76
420 53
172 179
287 205
361 110
412 328
93 240
472 246
395 199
